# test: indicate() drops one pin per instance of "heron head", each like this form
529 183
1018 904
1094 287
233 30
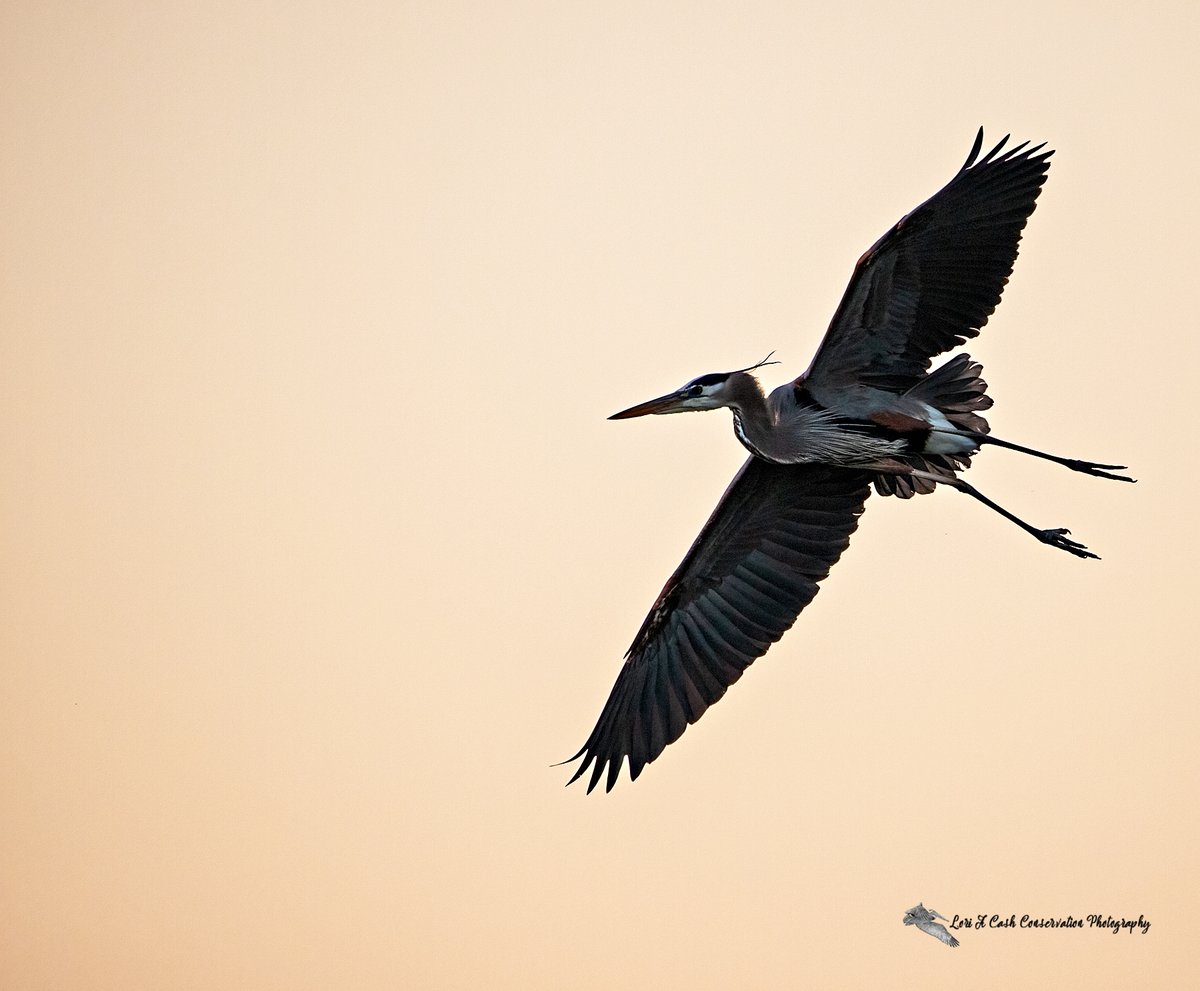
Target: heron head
705 392
712 391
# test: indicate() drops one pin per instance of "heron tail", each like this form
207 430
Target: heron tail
958 392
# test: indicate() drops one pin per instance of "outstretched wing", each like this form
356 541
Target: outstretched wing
773 536
933 280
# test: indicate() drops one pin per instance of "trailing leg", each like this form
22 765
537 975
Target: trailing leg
1055 537
1087 467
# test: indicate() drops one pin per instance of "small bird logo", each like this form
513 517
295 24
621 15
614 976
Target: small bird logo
922 918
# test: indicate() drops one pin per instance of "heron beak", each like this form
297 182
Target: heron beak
663 404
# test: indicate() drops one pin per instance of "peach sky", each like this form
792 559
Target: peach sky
317 549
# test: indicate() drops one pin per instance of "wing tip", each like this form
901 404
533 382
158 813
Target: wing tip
597 764
1037 154
974 152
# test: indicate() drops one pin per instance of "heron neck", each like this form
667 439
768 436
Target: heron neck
752 420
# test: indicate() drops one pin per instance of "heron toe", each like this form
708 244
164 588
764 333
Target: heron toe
1058 538
1099 470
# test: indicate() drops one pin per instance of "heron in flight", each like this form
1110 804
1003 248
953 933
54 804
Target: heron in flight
868 410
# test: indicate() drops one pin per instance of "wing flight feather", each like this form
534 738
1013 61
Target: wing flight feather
932 281
773 536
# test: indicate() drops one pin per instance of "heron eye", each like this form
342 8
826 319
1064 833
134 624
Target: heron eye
694 391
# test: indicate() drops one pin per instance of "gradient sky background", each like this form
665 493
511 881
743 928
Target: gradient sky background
317 549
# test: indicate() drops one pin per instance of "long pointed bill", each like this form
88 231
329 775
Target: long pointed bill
663 404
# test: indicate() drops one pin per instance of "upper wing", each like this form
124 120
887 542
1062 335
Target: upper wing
775 533
933 280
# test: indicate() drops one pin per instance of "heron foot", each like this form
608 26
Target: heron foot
1100 471
1058 538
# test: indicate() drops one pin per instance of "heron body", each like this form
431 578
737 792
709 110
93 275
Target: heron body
867 411
865 427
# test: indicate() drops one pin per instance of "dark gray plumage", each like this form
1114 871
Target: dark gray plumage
868 410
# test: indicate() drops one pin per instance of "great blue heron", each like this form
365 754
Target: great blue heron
867 410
